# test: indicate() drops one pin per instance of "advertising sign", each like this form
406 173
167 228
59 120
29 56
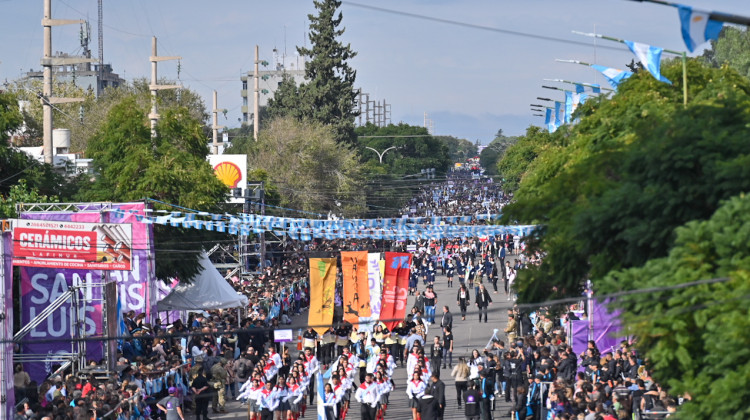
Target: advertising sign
74 245
231 170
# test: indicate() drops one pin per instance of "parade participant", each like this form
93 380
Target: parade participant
385 388
373 355
450 269
341 392
251 395
311 362
414 390
330 402
294 395
463 299
310 338
482 300
368 396
267 402
280 392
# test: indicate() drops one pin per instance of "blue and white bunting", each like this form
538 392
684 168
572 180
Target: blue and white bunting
696 27
614 76
572 100
650 57
549 120
593 88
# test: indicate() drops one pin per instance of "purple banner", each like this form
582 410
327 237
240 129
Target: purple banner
41 286
6 324
607 327
580 332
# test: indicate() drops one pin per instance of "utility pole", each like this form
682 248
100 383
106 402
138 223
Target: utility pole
215 127
256 97
359 105
154 114
100 36
47 63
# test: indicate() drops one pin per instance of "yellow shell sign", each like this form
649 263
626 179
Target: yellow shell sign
228 173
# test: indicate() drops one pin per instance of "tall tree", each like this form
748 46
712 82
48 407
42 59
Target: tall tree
731 49
308 168
608 192
328 95
696 338
171 167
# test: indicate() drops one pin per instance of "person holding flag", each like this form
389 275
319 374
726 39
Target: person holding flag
328 402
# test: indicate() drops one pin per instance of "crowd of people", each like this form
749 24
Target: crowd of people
170 370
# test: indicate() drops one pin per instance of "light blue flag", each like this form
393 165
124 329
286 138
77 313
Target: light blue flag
559 113
614 76
595 88
549 121
321 394
697 28
572 100
650 57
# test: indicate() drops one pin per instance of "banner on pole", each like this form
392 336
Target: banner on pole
7 395
356 288
74 245
395 287
322 288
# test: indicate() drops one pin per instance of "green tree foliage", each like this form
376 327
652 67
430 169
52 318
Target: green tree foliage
308 168
696 338
458 149
328 95
392 183
172 168
495 151
517 158
610 191
21 193
15 165
731 49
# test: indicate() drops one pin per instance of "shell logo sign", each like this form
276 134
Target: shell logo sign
231 170
228 173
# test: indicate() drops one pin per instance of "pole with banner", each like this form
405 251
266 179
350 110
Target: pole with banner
7 391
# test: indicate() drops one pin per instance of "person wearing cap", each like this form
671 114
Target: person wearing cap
170 405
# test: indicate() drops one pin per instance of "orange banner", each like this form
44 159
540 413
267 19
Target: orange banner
356 286
322 289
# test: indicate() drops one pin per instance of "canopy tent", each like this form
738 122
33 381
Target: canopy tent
208 290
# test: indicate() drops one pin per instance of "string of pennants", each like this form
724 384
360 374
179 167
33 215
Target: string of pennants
411 228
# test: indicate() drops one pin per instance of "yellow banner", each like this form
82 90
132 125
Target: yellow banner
322 288
356 286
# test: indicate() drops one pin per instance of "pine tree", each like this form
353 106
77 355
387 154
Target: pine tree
328 95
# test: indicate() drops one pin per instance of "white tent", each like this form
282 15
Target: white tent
208 290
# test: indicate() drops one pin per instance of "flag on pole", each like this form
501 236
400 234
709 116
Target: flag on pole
572 100
549 121
321 394
594 88
697 28
650 57
614 76
559 113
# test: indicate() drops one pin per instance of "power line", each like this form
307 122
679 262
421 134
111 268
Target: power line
474 26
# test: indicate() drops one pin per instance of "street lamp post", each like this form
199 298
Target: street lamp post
380 155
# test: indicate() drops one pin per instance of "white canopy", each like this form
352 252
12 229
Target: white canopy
208 290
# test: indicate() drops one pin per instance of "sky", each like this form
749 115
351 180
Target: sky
470 82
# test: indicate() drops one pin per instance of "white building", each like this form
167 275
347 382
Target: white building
269 76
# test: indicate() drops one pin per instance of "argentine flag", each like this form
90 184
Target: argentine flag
650 57
572 100
559 113
549 121
614 76
321 394
697 28
595 88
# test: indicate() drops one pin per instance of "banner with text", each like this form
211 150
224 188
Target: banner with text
395 287
6 325
356 288
322 288
137 288
75 245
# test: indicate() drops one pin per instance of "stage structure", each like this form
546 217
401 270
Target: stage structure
96 263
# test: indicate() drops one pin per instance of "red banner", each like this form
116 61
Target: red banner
356 286
53 244
395 287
